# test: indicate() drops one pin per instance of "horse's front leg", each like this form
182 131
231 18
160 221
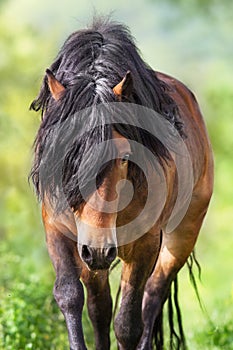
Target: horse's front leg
99 303
175 250
138 261
68 290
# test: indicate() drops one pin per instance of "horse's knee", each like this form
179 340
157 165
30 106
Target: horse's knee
68 294
128 334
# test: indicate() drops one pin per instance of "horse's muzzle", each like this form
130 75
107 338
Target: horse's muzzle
98 258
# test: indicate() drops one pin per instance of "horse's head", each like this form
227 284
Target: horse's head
96 216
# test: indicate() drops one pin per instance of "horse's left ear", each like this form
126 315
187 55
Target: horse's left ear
125 87
55 87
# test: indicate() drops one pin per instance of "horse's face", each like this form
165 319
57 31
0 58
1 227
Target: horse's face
96 219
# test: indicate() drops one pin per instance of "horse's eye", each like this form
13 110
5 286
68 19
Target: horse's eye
125 158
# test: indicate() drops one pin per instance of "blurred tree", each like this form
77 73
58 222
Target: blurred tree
2 2
200 5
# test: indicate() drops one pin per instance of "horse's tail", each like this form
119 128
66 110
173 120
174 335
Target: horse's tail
177 336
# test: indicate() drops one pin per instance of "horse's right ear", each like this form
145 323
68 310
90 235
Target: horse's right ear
125 87
55 87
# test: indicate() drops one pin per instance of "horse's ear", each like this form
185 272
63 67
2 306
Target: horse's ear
125 87
55 87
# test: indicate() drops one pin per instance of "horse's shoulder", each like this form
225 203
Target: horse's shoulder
63 222
197 139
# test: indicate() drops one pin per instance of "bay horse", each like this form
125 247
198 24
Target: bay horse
114 131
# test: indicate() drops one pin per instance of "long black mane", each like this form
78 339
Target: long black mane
90 63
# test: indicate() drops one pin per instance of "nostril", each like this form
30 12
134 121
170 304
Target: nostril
111 254
97 258
86 253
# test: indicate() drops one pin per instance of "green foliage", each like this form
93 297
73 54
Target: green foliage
221 337
215 337
201 6
27 309
28 317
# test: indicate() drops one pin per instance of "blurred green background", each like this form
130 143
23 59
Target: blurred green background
191 40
